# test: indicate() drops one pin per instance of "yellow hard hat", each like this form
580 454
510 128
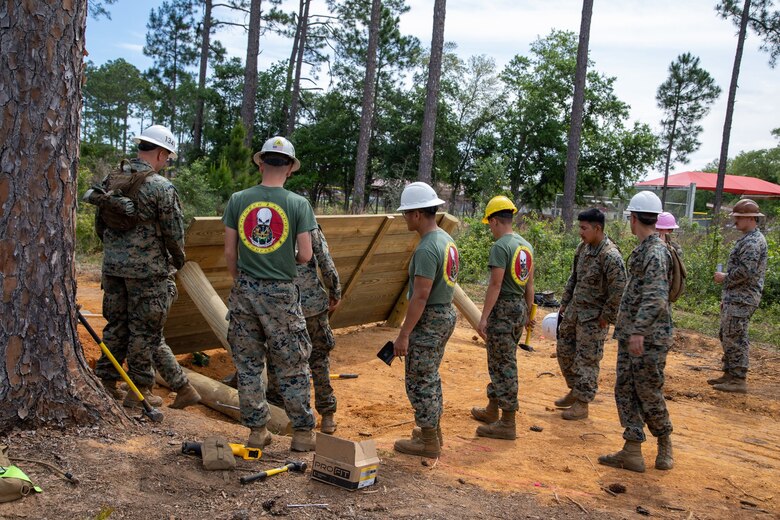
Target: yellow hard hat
496 204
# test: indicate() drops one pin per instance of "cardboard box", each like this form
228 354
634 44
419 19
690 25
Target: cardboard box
347 464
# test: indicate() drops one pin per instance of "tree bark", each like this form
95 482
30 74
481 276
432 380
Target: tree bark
250 73
577 108
424 172
296 86
724 145
204 63
44 378
291 66
367 112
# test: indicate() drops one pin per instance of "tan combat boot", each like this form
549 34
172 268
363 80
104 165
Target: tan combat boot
504 428
328 423
489 414
725 378
302 440
630 458
664 459
259 437
111 387
426 445
131 400
566 401
417 434
734 385
185 396
579 410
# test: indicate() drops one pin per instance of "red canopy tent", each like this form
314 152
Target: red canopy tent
706 181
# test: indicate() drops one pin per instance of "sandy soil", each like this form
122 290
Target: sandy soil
727 447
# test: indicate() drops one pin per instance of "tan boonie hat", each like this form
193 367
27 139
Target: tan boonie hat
746 208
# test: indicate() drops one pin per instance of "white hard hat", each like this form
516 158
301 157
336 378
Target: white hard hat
280 145
159 135
550 326
645 202
419 195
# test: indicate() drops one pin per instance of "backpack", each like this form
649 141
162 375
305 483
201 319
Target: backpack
677 271
115 198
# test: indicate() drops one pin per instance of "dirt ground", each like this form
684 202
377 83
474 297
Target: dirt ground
727 447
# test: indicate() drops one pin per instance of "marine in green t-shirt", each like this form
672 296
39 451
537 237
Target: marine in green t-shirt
267 231
430 318
505 313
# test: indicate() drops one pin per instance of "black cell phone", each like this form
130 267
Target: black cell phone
386 353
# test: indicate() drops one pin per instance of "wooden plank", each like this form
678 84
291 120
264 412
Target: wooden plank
206 299
372 247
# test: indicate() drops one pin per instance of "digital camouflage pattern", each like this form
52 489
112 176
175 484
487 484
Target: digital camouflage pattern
322 342
266 323
644 310
746 270
592 291
639 392
644 307
734 320
504 329
149 248
314 298
135 310
426 350
742 290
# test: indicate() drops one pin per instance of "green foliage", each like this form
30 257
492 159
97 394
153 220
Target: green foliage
197 196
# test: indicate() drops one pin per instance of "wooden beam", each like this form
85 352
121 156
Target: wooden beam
206 299
466 307
216 395
363 263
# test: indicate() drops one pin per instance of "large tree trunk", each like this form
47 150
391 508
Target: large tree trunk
432 93
250 74
296 86
367 112
724 146
204 63
291 66
44 378
577 108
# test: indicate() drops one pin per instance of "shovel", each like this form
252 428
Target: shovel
526 346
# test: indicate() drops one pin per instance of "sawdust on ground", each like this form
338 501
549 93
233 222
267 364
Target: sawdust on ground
726 446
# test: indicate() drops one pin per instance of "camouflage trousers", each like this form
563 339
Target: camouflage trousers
322 342
580 349
266 322
426 350
734 339
639 392
161 355
504 329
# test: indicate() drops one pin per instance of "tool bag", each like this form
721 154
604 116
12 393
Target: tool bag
14 484
115 198
217 454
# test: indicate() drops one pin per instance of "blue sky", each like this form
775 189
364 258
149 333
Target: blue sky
633 40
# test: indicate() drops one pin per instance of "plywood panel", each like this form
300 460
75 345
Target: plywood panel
381 271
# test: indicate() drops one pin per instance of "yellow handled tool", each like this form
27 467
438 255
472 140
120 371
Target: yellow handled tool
295 465
152 413
532 317
239 450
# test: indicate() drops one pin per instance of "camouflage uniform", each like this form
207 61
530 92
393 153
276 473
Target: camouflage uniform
426 350
314 304
645 311
504 329
257 306
592 292
741 295
136 265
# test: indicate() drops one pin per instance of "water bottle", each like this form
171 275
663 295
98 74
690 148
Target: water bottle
719 268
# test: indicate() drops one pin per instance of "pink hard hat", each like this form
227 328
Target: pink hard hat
666 221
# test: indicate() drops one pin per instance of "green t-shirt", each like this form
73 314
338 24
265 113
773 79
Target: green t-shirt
437 259
514 254
268 220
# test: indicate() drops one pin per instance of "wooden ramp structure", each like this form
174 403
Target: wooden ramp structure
371 253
